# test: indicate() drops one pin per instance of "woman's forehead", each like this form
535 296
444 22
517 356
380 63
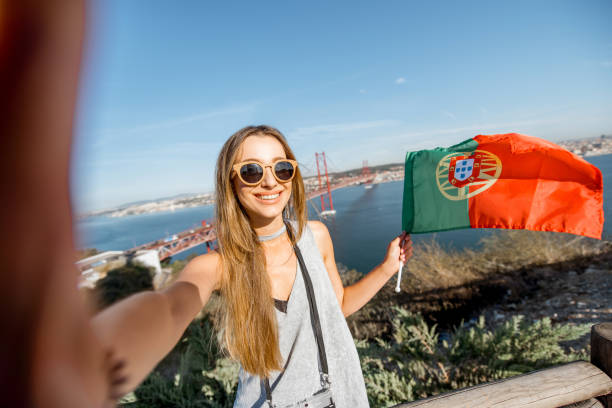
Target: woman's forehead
261 147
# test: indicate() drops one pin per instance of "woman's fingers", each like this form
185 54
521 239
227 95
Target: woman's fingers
116 379
405 247
399 250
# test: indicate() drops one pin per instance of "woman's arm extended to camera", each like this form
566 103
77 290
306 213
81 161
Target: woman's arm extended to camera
143 328
352 298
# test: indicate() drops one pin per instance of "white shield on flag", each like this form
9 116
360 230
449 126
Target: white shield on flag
463 169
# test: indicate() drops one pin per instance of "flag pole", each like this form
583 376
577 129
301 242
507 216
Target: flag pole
401 265
399 277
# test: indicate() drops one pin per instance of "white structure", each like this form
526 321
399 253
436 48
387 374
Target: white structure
148 258
94 267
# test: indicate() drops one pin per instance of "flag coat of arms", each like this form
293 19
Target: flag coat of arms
507 181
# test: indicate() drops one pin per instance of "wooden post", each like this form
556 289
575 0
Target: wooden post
601 354
552 387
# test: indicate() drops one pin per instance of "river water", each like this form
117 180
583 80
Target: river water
366 220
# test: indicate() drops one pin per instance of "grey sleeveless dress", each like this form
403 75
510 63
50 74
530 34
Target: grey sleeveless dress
300 376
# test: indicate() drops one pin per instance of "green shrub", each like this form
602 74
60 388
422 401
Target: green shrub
417 363
122 282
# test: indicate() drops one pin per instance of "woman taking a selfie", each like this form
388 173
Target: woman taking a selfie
283 316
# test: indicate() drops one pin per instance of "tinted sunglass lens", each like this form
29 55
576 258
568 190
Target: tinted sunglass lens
251 172
284 170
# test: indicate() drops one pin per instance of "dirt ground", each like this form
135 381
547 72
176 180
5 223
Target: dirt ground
574 292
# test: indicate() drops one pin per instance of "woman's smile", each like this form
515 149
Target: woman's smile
269 198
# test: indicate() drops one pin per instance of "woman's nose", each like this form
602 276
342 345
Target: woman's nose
268 178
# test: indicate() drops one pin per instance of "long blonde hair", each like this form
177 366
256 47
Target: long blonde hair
248 319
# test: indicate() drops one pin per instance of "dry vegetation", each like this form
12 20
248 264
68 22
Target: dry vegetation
433 267
448 286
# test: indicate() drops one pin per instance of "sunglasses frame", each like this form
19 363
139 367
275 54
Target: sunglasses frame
236 167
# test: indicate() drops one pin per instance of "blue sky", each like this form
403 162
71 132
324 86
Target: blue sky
164 83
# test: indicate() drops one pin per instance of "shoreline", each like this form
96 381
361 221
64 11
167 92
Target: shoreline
205 199
128 212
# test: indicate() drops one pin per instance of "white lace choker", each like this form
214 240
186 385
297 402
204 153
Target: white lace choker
272 236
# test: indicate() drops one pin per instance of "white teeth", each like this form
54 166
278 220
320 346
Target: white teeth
269 197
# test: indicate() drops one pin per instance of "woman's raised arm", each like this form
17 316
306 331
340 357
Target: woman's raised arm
352 298
142 329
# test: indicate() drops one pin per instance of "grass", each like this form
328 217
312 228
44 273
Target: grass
433 267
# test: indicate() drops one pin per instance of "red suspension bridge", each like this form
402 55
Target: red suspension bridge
205 234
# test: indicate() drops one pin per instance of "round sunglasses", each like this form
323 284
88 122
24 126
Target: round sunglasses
251 172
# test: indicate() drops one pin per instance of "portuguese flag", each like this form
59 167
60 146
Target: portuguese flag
502 181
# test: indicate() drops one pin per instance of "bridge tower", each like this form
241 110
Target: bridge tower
367 173
365 170
329 196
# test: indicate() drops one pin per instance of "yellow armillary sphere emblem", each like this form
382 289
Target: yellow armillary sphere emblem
462 175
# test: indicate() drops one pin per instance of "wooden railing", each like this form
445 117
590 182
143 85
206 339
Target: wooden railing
578 385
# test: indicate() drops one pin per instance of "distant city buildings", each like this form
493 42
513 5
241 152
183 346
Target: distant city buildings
169 204
594 146
583 147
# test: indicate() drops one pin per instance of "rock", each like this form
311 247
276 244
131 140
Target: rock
592 269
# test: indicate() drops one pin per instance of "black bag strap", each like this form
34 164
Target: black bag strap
314 312
314 319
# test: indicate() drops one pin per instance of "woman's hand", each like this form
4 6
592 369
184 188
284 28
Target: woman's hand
399 250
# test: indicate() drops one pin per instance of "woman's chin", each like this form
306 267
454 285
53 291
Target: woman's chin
271 213
266 212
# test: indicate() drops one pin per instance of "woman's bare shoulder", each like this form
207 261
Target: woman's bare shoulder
318 229
321 236
204 271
